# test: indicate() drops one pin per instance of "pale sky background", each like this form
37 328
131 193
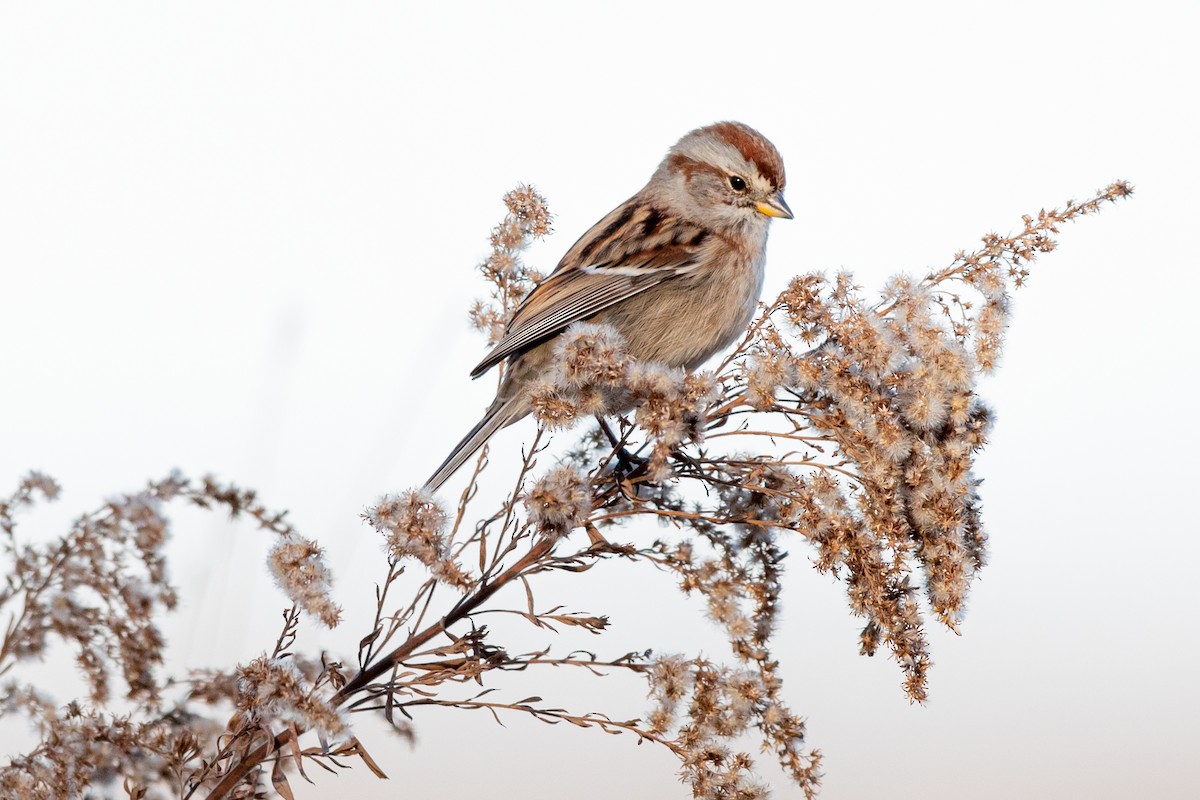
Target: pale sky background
241 238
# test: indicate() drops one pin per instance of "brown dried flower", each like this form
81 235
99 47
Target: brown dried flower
841 423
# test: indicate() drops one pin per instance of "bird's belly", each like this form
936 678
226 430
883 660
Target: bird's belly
682 323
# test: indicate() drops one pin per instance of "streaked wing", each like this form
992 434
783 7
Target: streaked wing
564 298
634 248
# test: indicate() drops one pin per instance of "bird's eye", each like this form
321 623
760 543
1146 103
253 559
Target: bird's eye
738 183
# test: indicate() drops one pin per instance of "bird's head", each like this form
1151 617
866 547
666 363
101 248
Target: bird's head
726 175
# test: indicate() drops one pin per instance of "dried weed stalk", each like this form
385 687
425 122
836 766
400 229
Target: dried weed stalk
847 422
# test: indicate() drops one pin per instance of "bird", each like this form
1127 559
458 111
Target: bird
677 270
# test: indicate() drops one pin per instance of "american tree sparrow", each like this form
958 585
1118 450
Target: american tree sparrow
677 269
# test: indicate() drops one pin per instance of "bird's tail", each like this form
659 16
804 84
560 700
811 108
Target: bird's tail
499 414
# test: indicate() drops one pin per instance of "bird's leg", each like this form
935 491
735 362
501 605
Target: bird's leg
627 463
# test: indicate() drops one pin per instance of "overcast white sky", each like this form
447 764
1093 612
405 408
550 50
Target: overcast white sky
240 238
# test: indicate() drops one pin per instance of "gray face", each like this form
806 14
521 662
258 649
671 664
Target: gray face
726 175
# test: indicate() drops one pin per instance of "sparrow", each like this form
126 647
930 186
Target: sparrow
677 270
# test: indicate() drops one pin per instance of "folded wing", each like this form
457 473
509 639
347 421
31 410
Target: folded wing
600 271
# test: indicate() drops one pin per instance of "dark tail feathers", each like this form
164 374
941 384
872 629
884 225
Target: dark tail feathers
498 415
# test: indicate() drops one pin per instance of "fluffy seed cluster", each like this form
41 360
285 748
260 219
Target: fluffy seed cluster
100 590
765 376
82 749
559 501
671 408
710 707
588 376
896 396
273 690
300 573
414 525
737 572
593 374
510 280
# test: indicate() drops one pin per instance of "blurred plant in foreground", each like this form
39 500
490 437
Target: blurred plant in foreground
849 422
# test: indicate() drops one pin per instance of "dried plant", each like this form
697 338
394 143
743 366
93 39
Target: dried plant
847 422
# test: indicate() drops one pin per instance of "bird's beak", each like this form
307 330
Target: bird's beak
774 207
